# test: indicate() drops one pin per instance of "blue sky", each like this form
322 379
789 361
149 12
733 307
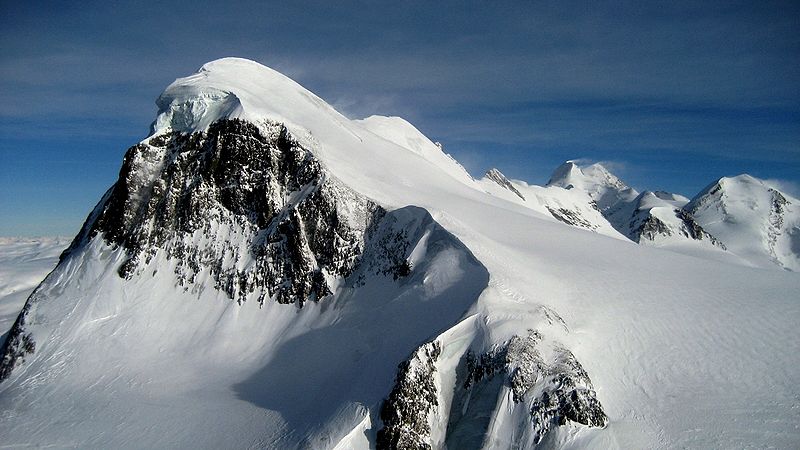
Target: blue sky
672 94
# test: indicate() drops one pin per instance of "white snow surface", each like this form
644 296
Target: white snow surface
601 185
404 134
547 199
751 218
24 262
683 352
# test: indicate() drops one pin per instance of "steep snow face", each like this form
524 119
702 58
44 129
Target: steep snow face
371 163
753 219
402 133
602 186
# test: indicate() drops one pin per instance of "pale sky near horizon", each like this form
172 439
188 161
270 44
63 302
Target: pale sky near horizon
673 95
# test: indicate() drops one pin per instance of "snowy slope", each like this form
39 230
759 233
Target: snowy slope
574 207
397 130
755 220
679 352
24 262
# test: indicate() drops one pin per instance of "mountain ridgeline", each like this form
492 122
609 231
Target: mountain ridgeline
740 216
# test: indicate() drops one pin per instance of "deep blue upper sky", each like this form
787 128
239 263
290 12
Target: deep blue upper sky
672 94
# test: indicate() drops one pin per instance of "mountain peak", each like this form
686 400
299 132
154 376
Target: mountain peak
572 173
603 186
755 220
232 63
563 174
236 88
740 179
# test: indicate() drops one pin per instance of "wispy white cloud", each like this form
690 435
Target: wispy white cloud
788 187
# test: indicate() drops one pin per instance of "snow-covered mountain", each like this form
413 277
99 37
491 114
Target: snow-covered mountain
659 218
752 218
607 191
268 273
764 235
574 207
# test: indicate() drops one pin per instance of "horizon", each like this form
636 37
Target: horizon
668 97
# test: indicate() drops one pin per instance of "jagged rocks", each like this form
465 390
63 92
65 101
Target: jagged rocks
546 380
650 228
498 177
570 217
405 413
775 222
18 344
247 203
519 358
545 384
693 230
567 395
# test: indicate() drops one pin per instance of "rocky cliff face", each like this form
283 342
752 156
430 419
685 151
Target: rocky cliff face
545 384
775 223
647 226
406 413
551 384
246 205
251 206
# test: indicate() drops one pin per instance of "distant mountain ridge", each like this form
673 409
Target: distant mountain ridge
742 215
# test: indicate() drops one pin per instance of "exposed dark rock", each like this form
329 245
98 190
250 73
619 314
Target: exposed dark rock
406 411
777 209
276 217
498 177
568 395
556 391
650 228
249 205
570 217
18 344
693 230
